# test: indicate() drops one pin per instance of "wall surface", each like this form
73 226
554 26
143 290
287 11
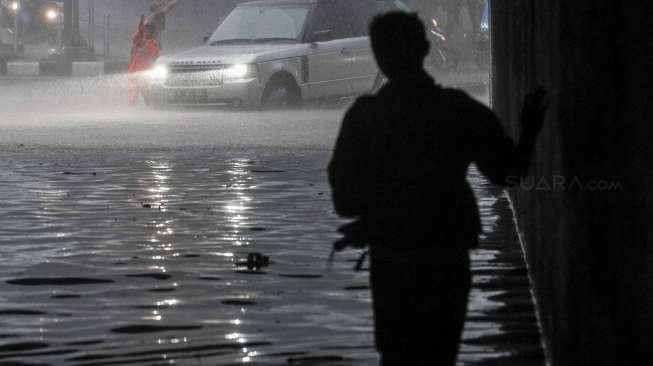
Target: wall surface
585 210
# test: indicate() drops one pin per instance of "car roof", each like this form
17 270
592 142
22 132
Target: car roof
278 2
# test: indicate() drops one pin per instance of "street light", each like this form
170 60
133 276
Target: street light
53 17
15 7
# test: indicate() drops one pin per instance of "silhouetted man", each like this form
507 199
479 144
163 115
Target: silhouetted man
399 167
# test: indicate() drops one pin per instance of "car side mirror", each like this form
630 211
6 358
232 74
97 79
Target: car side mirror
322 35
205 39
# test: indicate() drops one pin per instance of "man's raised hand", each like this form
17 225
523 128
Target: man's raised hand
534 110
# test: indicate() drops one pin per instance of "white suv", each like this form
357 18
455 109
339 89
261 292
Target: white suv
276 53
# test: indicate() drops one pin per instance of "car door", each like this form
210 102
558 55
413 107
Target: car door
329 56
363 65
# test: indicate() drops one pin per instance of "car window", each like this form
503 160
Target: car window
389 5
332 15
360 13
262 22
399 5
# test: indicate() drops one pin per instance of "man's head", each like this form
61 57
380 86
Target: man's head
399 43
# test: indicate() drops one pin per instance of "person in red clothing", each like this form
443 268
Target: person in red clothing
145 51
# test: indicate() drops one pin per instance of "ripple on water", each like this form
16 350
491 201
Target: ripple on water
26 312
58 281
189 351
209 278
238 302
164 289
65 296
357 288
156 276
23 346
250 272
301 275
148 328
316 360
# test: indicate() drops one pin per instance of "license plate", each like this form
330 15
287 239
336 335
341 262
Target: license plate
191 79
196 95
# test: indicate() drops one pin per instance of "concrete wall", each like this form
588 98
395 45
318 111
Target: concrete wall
588 249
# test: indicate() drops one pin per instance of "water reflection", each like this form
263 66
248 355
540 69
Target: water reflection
237 207
236 211
160 237
157 198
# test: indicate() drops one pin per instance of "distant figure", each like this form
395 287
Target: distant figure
159 9
399 168
145 50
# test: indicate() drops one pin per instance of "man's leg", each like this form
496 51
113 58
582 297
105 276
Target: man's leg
132 91
419 306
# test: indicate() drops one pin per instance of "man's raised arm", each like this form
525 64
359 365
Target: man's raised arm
498 157
171 4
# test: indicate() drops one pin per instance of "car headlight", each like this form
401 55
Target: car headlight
158 73
239 71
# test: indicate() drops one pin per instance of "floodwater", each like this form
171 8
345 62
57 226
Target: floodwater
93 112
124 237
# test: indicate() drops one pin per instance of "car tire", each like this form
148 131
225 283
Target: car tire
281 93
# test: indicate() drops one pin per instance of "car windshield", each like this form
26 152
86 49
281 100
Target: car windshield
401 6
261 23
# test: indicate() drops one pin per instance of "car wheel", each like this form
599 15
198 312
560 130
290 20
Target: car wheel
281 94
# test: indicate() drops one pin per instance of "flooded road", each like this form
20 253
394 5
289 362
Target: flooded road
124 237
137 254
93 113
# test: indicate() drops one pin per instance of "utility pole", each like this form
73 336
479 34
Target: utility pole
16 7
71 23
91 25
67 23
75 28
73 44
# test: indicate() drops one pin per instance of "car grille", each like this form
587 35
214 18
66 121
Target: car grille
188 67
195 75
